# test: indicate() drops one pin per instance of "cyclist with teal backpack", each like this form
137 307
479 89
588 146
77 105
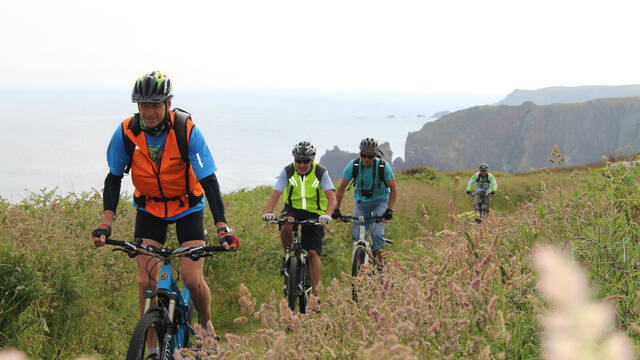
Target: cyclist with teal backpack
375 192
309 194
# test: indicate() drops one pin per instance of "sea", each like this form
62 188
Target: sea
57 139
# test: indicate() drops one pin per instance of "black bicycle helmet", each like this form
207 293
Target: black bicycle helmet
369 145
483 166
304 149
153 87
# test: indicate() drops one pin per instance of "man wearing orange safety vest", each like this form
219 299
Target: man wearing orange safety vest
172 170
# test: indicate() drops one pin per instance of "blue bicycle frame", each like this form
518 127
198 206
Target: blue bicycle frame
177 303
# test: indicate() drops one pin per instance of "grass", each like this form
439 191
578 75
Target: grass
467 291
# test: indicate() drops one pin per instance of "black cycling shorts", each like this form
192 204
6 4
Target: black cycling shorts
190 227
312 235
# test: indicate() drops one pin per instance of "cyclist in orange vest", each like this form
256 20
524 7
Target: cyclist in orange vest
172 170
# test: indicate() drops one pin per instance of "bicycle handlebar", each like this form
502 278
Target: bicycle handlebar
369 219
193 252
301 222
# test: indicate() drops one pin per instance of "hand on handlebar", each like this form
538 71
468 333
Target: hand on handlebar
324 219
268 216
100 234
229 241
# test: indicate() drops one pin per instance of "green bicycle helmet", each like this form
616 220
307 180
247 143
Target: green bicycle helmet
483 166
153 87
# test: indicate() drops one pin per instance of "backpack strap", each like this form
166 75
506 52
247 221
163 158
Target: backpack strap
320 170
354 174
289 170
381 167
180 128
129 146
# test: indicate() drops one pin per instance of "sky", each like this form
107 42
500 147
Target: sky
345 45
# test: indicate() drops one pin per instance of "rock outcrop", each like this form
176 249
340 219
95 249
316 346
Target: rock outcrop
521 138
563 94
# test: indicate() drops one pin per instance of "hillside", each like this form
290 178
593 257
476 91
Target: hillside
453 289
520 138
564 94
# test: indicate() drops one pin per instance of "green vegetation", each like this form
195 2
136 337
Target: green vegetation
451 289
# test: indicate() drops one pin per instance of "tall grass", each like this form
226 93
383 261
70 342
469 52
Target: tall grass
464 292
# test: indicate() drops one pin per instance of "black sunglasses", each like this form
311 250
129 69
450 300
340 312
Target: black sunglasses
367 156
302 161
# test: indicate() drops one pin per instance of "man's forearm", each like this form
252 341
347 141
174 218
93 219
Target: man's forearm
273 200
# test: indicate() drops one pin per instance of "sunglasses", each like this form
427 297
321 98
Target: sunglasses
302 161
367 156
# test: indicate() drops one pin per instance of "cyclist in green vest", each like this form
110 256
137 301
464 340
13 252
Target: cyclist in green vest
308 194
486 185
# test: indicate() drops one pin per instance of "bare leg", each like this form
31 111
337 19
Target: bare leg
147 280
315 270
286 234
191 272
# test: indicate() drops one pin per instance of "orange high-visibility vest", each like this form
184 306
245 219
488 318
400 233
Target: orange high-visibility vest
173 187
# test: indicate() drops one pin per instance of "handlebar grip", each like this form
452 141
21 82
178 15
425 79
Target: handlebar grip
213 248
115 242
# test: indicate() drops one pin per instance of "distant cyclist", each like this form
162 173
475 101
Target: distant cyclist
486 186
308 194
172 170
375 192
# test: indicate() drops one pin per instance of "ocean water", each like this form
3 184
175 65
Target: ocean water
58 138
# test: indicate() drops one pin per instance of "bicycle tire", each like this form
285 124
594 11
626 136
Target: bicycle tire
138 343
292 287
303 297
358 261
188 319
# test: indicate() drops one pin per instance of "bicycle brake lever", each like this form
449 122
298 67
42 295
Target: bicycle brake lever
131 253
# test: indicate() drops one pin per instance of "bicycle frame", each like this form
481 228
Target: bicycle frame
178 303
172 302
362 241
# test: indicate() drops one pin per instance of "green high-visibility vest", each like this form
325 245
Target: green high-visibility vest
304 192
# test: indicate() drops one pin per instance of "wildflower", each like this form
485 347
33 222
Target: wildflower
578 327
240 320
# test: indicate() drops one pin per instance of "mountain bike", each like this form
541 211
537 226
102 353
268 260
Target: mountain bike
482 203
362 257
169 322
295 270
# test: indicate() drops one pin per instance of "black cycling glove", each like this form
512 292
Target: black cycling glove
336 214
103 230
388 214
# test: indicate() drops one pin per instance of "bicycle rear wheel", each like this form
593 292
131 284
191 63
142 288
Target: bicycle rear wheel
292 287
150 326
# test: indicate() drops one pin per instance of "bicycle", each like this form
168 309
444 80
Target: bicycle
362 255
297 282
482 205
171 318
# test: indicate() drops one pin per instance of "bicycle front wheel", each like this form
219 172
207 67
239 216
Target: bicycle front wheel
292 287
147 335
358 261
306 284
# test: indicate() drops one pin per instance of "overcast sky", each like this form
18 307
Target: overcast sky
426 46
